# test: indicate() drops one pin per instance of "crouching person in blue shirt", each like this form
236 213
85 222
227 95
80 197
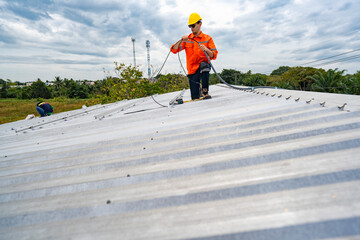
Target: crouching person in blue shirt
44 109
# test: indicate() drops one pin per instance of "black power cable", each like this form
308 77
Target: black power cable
330 57
223 81
338 60
153 82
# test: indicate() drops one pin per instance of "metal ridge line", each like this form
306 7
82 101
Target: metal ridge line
189 153
168 174
179 200
114 155
196 152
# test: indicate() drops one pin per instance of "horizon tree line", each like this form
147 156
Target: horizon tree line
130 83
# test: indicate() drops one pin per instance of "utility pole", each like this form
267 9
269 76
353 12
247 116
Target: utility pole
148 57
133 40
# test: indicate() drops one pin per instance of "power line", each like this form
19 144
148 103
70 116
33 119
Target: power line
339 60
330 57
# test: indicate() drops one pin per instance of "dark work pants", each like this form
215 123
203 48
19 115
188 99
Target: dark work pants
194 81
41 111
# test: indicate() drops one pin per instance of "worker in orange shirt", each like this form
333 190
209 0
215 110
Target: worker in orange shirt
197 63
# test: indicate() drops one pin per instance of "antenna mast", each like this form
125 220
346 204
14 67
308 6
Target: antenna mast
133 40
148 57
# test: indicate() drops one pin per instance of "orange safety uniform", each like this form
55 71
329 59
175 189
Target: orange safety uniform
194 55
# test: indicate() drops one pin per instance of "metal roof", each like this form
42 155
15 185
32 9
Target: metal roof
267 164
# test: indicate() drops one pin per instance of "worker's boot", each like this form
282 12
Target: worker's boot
205 93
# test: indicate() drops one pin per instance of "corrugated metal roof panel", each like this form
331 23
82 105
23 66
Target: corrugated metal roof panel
269 164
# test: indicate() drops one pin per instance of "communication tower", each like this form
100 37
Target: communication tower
133 40
148 57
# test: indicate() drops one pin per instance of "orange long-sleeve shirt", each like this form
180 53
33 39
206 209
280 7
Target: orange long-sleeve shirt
194 55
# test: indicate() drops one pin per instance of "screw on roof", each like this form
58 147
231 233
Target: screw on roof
342 107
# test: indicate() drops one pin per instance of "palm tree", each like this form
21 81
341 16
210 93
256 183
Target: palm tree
58 85
351 84
328 81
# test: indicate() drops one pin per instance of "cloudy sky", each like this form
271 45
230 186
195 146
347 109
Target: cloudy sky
82 39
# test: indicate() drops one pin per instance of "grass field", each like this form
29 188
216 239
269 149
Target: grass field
15 109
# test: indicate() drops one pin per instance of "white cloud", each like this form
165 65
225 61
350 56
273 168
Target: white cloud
82 38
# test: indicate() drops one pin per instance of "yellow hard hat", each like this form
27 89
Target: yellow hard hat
194 18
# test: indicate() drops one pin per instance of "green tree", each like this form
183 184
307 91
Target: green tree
278 81
13 92
99 87
170 83
327 82
4 88
254 80
66 86
58 87
129 78
351 84
299 77
24 93
130 84
232 76
213 79
279 71
125 86
76 90
39 89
